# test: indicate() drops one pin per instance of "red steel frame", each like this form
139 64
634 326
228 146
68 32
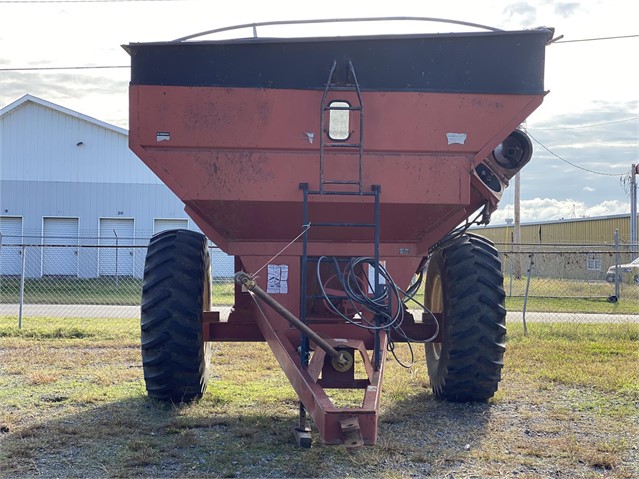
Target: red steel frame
251 321
241 187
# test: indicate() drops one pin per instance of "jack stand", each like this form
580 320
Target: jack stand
303 431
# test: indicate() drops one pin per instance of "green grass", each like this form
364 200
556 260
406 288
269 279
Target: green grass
565 296
74 405
92 329
574 305
570 296
549 287
102 290
63 290
601 356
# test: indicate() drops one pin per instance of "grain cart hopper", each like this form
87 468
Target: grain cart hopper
337 171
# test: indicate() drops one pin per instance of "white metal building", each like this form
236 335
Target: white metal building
67 179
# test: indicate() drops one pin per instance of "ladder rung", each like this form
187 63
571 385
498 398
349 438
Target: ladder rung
342 145
341 87
342 193
311 259
319 296
360 225
340 182
348 108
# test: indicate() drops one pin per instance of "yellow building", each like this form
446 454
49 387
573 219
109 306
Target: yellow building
577 231
579 248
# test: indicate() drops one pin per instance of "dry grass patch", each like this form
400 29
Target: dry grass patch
549 418
35 378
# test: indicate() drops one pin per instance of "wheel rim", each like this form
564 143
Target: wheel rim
436 306
206 306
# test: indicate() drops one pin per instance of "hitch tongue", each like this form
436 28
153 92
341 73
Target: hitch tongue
339 358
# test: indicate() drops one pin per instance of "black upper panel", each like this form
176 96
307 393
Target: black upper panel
486 62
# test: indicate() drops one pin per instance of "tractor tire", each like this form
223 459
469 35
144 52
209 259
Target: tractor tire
464 283
175 292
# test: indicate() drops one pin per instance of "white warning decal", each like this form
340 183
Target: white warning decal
459 138
277 279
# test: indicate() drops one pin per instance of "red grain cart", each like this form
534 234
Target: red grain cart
338 171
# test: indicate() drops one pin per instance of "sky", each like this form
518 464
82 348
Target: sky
585 134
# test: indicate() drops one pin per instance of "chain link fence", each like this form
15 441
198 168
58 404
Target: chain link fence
100 279
87 279
571 283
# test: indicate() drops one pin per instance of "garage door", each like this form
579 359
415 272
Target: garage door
10 256
62 259
118 260
169 224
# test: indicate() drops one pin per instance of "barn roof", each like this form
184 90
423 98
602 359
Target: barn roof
556 221
26 99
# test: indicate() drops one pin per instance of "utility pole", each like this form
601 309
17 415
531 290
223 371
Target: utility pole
517 228
634 171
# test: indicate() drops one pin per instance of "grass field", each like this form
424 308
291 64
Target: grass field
571 296
546 295
102 290
73 404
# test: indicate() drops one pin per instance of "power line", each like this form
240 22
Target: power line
566 161
26 69
594 125
595 39
84 1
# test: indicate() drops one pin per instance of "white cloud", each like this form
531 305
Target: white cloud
547 209
589 188
521 12
566 9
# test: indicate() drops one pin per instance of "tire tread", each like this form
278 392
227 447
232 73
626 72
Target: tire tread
469 366
174 355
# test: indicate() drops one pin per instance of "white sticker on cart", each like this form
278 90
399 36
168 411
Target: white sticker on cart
310 136
162 136
459 138
277 279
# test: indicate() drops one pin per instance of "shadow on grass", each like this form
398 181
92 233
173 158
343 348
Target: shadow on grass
88 441
431 432
141 437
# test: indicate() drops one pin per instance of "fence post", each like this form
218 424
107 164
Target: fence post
22 273
617 262
530 267
633 210
117 250
510 264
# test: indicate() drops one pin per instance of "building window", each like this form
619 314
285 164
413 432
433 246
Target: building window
593 263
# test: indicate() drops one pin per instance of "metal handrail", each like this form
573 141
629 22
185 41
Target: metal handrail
254 26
